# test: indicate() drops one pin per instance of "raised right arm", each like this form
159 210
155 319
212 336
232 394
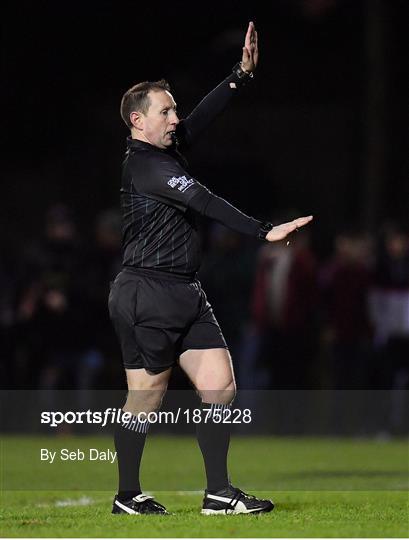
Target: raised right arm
216 101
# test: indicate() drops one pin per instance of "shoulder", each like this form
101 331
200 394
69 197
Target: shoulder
149 156
141 159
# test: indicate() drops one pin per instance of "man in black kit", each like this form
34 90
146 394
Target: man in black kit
159 310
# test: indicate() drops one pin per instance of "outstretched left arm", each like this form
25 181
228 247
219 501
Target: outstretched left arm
216 101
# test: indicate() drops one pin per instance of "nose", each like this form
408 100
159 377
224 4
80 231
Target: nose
174 119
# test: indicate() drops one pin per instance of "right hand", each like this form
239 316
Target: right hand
279 232
249 58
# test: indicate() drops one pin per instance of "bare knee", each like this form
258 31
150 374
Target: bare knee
143 400
145 391
221 393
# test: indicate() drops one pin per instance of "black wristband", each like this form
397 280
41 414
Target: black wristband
264 229
241 74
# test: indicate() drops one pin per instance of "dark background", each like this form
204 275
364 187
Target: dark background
323 129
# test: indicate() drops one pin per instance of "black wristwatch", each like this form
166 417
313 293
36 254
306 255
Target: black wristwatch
241 74
264 229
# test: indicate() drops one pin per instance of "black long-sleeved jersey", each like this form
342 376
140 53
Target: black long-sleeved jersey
159 198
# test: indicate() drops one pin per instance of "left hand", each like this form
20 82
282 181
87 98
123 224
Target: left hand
279 232
250 50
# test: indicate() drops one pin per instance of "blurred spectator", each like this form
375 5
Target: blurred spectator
284 312
390 296
345 281
100 266
390 316
51 308
226 273
345 332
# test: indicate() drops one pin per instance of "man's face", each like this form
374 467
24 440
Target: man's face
161 119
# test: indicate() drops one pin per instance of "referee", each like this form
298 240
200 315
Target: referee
160 312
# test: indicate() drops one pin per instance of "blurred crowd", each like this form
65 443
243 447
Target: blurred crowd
292 319
54 323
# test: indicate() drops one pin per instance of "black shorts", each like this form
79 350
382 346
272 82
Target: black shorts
158 317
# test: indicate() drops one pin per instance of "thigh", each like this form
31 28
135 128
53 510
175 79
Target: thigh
211 372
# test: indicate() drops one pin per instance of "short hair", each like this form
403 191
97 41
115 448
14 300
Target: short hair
137 98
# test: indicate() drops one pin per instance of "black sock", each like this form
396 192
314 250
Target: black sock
127 495
213 437
130 436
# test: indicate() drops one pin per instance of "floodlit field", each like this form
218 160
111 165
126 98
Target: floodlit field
321 487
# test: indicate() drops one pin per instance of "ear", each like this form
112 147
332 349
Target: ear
136 119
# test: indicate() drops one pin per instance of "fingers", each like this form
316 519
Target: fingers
300 222
255 54
247 39
246 56
251 43
251 36
297 224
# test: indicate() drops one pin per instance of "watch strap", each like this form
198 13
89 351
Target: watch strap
264 229
241 74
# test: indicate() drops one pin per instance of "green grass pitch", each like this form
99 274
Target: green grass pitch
321 487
